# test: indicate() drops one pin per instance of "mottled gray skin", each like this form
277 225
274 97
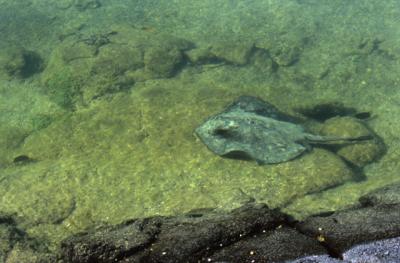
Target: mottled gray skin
253 129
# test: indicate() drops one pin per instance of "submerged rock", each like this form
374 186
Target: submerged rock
382 251
270 246
202 55
387 250
344 229
161 62
233 53
250 232
386 195
17 62
17 246
285 50
85 67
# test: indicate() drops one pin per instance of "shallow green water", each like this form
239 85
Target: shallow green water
99 100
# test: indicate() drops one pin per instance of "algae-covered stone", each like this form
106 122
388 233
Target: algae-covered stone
41 202
386 195
201 55
116 59
10 139
72 50
345 126
263 61
67 72
30 252
78 72
232 53
111 70
235 53
286 55
284 50
9 235
85 67
17 62
162 62
17 246
361 153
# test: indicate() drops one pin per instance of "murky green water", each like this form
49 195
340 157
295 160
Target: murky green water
99 100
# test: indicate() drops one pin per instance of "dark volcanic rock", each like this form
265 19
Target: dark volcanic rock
386 195
345 229
252 233
271 246
190 238
382 251
316 259
387 250
112 243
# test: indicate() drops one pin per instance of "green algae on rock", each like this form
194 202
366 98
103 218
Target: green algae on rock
17 62
161 62
84 68
201 55
237 53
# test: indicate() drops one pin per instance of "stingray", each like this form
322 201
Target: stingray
253 129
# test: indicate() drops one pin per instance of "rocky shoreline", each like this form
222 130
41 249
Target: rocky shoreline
251 233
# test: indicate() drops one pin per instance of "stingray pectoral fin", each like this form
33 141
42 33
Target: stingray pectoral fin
260 162
273 155
238 154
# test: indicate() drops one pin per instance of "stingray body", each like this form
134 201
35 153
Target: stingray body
251 128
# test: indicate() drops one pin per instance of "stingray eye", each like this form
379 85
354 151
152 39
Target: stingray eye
232 125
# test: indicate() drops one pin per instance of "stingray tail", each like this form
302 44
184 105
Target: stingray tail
316 139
